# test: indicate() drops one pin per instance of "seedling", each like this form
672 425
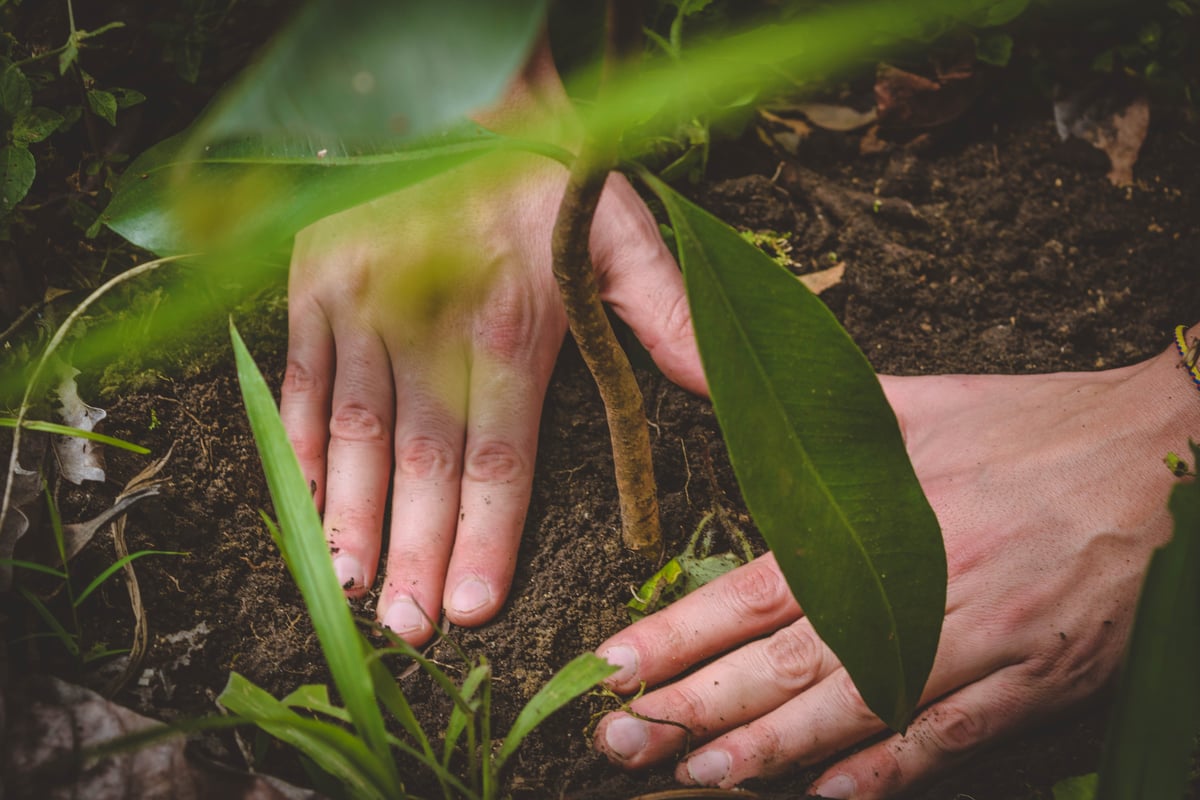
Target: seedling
688 571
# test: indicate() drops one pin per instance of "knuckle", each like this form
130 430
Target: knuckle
299 379
355 422
756 589
849 703
495 461
507 330
793 657
953 729
687 707
426 457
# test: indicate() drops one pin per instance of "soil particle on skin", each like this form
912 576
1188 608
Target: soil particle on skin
1001 252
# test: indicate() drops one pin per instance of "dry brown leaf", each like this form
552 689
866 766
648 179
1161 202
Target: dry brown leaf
833 117
821 280
1118 132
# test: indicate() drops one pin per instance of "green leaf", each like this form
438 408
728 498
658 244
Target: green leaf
1081 787
16 96
34 566
820 460
336 751
364 69
35 124
17 169
315 697
584 672
1157 711
127 97
304 549
1004 11
103 105
68 56
252 195
67 430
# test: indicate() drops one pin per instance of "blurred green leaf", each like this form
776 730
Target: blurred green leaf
364 69
999 13
67 430
17 169
127 97
103 105
820 460
35 125
1081 787
1157 711
304 549
584 672
254 195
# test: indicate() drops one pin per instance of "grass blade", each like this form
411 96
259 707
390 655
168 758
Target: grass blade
67 430
99 580
306 552
584 672
334 749
34 566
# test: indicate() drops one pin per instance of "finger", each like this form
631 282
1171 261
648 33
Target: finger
307 386
748 602
509 375
736 689
431 409
360 457
641 281
943 735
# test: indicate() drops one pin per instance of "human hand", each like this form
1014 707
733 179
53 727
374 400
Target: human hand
1051 493
423 329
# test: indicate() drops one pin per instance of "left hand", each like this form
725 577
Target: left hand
1051 493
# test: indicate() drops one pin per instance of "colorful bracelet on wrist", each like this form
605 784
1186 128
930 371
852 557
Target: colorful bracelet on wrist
1190 355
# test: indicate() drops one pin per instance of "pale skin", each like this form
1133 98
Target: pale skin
1050 490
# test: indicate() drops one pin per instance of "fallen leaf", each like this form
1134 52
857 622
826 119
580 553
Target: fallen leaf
79 459
840 118
821 280
46 722
908 100
1104 116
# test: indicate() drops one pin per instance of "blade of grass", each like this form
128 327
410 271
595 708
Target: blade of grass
67 430
56 628
458 719
306 553
34 566
581 674
116 565
334 749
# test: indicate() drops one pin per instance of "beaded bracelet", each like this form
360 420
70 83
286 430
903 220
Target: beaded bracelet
1190 356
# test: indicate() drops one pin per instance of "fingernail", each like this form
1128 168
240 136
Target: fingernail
622 656
710 767
839 787
349 572
404 617
471 595
626 737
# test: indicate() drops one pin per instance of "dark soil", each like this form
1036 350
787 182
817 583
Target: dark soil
998 248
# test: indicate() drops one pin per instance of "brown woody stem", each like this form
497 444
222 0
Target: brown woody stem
594 335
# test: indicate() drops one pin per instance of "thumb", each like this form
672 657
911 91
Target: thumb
641 282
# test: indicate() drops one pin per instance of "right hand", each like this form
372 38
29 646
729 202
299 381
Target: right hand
422 336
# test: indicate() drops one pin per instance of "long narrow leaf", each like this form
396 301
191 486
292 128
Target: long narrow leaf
99 580
67 430
820 460
584 672
338 752
33 566
307 555
1157 713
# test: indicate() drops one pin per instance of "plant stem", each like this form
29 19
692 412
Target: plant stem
589 324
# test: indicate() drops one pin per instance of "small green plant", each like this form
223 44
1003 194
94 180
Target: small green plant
70 634
363 761
688 571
